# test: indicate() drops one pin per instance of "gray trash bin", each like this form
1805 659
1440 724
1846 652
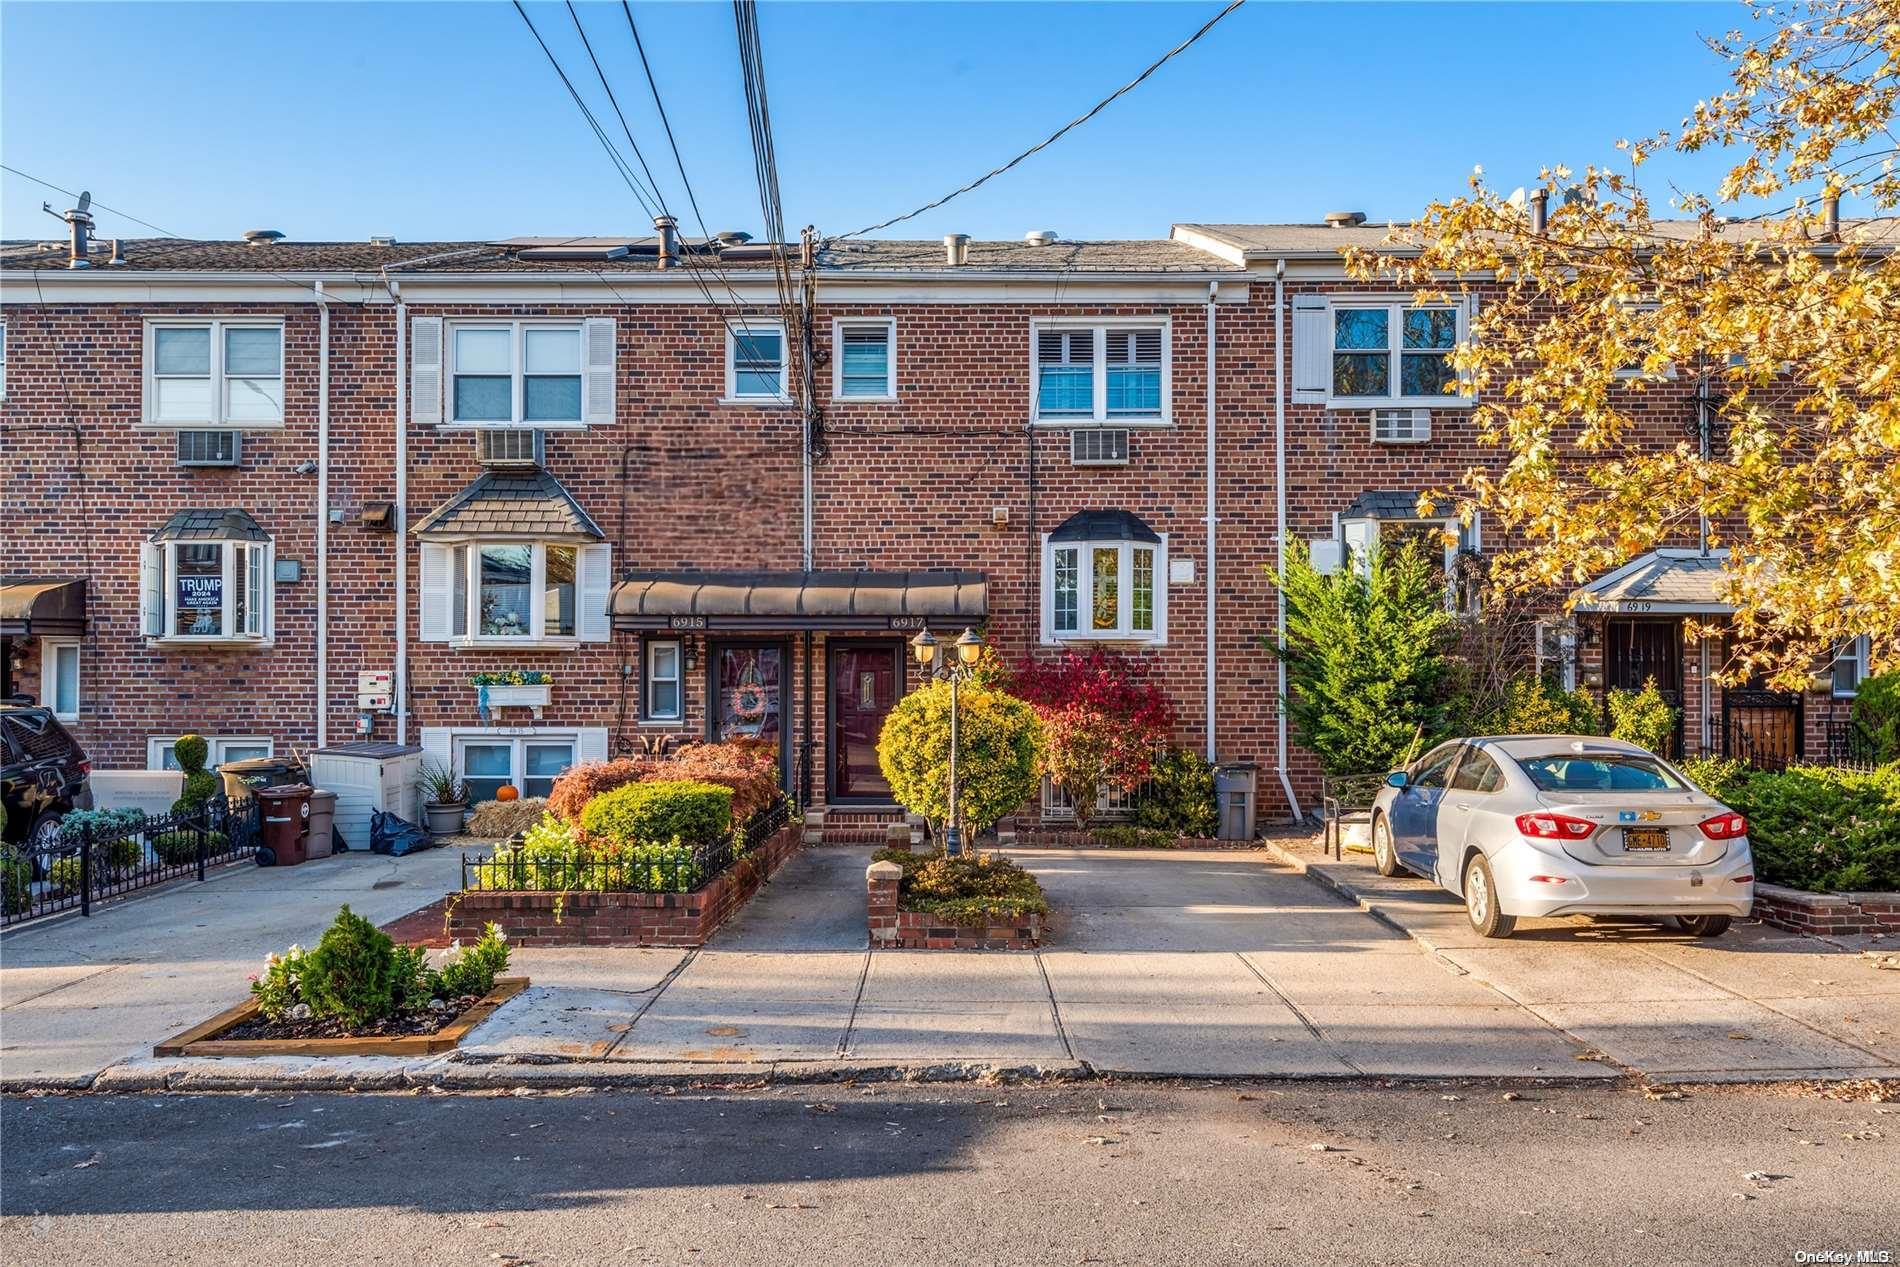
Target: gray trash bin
1234 785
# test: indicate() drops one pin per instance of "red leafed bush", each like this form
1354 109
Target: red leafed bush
1114 685
582 783
748 767
1103 721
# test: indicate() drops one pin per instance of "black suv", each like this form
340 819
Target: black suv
44 775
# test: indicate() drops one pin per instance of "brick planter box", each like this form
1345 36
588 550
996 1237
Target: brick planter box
1827 913
1071 838
892 929
622 919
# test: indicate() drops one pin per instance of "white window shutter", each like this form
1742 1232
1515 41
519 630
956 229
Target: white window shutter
437 586
599 380
1361 540
425 370
152 589
438 743
1312 348
590 744
596 586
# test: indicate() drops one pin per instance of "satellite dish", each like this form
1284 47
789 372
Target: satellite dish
85 202
1518 198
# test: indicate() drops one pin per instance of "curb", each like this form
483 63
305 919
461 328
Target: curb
1305 866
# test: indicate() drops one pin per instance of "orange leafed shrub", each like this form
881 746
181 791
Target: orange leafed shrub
748 767
582 783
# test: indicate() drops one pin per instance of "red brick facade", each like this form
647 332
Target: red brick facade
950 474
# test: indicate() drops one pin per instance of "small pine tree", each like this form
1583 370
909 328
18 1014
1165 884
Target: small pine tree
1643 718
354 974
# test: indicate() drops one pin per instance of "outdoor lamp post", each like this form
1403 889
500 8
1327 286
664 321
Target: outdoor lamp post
929 654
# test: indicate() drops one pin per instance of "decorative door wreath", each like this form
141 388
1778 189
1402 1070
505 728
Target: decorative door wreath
748 702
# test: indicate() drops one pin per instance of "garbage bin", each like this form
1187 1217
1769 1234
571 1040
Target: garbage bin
286 824
322 824
1234 790
241 778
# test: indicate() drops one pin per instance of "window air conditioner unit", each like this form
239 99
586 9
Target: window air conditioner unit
209 448
1401 426
1098 446
510 446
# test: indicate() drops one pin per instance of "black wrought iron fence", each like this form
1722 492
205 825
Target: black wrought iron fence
1849 744
635 868
102 855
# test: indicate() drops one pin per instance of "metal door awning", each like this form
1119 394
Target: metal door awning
799 600
1662 582
31 606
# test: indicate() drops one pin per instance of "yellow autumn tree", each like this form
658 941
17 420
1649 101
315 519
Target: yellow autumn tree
1782 330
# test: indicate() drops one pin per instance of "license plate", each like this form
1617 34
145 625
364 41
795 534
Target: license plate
1640 839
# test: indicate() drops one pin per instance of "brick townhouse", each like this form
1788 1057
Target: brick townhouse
241 474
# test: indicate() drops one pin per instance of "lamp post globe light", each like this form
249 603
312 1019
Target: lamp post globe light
938 667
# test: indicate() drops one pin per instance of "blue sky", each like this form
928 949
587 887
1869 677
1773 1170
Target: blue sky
444 121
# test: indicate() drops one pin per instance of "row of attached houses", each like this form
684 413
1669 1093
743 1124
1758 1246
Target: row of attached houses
288 495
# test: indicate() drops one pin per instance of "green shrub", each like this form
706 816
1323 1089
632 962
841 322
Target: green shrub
277 988
969 890
472 971
999 739
552 857
1124 836
191 752
111 860
1876 715
97 823
1179 798
1819 828
200 784
353 976
16 881
1643 718
175 848
1527 706
688 813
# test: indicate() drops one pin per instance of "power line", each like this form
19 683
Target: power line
1059 133
666 123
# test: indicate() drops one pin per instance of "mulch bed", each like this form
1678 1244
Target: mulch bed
404 1026
422 927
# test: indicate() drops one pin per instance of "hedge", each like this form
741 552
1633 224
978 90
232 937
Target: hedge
683 812
1820 828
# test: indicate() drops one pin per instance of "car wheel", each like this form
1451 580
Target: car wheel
1481 901
42 838
1704 925
1384 857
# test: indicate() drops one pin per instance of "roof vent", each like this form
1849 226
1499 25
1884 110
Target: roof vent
1345 219
382 239
956 248
1040 237
263 237
118 252
732 237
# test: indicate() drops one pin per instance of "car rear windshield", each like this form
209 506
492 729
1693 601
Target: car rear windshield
1600 772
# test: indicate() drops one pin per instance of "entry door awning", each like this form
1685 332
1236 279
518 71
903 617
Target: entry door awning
854 600
32 605
1662 582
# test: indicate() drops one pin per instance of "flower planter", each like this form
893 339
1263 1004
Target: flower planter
445 820
203 1039
534 697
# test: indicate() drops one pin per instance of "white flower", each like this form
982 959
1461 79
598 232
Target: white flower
271 960
501 934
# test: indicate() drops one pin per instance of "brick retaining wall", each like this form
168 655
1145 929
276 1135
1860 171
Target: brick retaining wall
892 929
623 919
1827 913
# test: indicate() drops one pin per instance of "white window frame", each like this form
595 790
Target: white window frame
1459 540
783 395
1099 415
517 373
3 360
1396 307
1563 634
252 564
1637 372
1854 651
1124 630
466 555
50 651
518 755
648 678
217 747
838 327
219 382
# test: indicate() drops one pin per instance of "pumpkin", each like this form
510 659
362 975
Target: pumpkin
507 792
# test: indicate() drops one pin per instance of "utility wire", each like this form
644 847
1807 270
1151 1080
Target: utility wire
1059 133
600 134
666 123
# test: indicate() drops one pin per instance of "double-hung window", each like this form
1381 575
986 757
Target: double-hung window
1104 591
1850 667
1100 371
515 374
529 765
513 591
864 359
755 362
661 700
1390 353
214 373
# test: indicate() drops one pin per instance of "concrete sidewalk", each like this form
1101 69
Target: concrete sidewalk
1755 1003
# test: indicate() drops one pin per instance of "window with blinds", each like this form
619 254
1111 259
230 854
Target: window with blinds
1113 372
865 362
1065 374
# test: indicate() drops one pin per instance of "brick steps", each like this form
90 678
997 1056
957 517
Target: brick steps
852 827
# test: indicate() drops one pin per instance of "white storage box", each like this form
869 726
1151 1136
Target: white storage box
365 777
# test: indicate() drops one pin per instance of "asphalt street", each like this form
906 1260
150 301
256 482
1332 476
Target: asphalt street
887 1174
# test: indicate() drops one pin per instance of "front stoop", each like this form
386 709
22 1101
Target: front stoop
839 825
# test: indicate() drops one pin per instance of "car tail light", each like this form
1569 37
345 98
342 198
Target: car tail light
85 768
1744 879
1547 826
1550 879
1724 826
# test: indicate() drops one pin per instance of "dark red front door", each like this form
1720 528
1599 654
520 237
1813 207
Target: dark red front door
864 686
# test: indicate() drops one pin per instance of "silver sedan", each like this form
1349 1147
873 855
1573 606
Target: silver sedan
1546 825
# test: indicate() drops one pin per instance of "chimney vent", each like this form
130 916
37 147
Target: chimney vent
118 252
1540 211
732 237
78 221
1345 219
1040 237
263 237
956 248
669 230
1831 216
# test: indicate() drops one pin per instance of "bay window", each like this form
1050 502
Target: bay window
1388 521
1114 371
1104 579
516 373
208 576
513 590
206 372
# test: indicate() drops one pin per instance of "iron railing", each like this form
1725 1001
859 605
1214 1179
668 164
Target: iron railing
1346 799
1850 745
655 868
97 860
